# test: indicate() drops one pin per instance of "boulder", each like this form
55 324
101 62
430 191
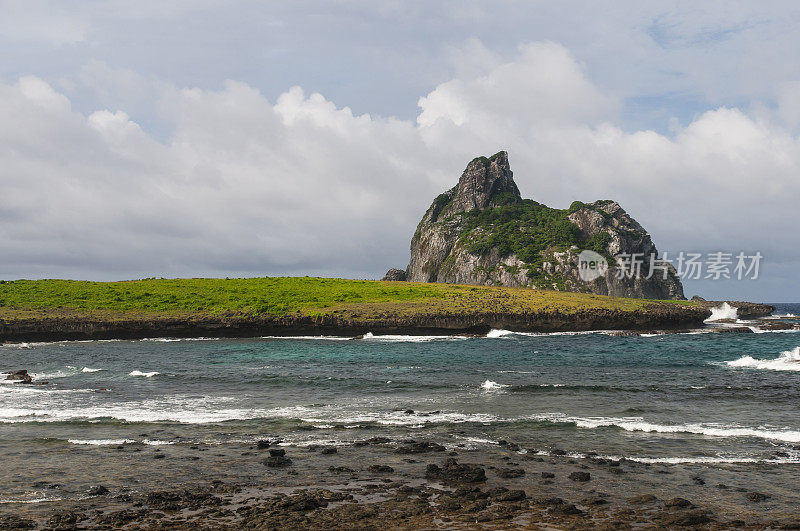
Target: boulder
420 448
19 376
580 476
453 471
395 275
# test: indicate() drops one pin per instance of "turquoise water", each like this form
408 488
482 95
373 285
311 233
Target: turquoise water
675 398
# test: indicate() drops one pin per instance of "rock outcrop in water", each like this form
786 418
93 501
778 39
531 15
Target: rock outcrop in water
481 231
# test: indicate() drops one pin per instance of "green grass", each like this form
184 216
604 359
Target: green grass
283 296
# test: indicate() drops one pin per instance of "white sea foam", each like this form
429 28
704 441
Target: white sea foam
489 385
480 440
393 418
29 500
88 369
789 360
320 338
493 334
101 442
369 336
709 460
724 311
71 371
757 330
507 334
145 374
634 424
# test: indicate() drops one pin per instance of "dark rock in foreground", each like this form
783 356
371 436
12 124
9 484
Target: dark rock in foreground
452 471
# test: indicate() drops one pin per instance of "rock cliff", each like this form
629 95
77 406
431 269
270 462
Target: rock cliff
481 231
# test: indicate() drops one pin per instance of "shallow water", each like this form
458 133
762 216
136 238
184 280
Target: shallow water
704 398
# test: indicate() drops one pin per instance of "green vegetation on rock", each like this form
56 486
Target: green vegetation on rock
526 228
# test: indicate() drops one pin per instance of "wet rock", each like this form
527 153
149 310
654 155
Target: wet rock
733 330
277 461
97 490
420 448
477 506
328 450
548 502
449 504
470 493
698 480
756 497
65 520
378 440
277 452
558 451
121 518
182 499
643 499
548 475
262 444
568 509
452 470
19 376
409 411
510 445
159 456
680 503
597 500
509 473
380 469
580 476
685 518
12 521
777 326
511 496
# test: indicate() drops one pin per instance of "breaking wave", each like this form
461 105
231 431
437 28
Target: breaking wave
489 385
724 311
789 360
635 424
145 374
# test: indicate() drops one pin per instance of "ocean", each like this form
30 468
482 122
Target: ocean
673 398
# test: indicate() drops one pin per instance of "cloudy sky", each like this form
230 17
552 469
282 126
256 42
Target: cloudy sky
221 138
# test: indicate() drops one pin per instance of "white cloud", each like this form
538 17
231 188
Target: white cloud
301 185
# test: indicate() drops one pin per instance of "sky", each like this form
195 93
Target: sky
247 138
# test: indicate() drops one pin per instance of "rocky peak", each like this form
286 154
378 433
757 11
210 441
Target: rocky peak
482 232
483 180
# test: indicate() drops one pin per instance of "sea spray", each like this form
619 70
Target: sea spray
724 311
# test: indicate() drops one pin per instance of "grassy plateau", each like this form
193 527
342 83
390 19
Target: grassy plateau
282 296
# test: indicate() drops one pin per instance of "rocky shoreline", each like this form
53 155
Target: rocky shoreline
381 483
63 326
